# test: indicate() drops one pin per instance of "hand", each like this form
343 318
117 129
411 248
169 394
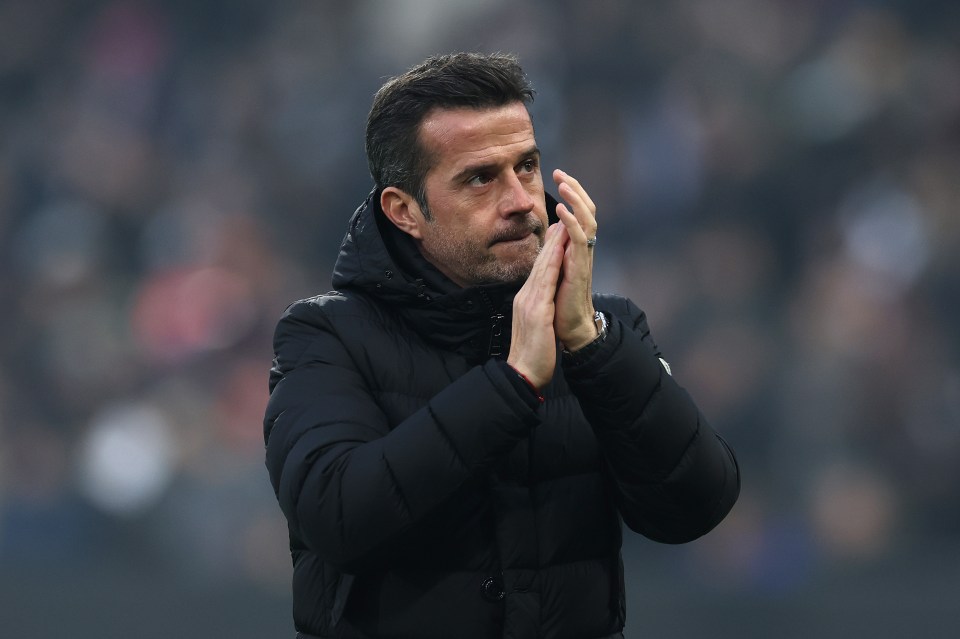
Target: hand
573 321
533 343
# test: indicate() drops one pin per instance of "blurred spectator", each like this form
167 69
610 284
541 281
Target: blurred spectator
781 185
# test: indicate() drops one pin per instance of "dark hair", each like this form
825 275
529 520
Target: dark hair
472 80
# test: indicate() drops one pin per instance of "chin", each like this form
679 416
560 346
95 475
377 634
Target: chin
501 272
515 272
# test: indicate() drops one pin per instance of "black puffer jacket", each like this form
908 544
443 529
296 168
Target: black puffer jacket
428 492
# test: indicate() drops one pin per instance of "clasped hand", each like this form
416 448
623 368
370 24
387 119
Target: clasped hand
556 302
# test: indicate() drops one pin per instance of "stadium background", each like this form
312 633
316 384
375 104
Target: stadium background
778 187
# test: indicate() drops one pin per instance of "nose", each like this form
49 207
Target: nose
516 198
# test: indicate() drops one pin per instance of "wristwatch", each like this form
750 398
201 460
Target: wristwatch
583 353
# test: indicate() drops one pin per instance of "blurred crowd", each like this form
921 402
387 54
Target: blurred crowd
777 184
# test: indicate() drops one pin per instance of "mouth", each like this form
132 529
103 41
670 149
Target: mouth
515 235
512 238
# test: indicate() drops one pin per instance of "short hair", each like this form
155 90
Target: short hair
472 80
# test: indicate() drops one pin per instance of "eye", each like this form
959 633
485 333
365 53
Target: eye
528 166
479 179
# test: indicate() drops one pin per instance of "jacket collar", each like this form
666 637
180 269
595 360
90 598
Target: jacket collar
383 262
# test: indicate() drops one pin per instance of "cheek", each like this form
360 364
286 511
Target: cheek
537 193
541 211
458 233
474 233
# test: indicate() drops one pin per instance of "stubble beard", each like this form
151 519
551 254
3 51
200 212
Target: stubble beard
474 262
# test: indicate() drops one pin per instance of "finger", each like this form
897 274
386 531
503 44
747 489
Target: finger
562 177
545 272
579 207
576 230
552 254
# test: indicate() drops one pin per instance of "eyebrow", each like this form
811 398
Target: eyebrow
476 169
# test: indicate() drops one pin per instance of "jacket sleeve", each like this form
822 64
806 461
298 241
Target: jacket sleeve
675 478
349 482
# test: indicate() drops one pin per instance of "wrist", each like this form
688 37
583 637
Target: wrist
587 351
594 331
527 382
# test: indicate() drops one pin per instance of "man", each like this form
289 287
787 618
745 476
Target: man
456 433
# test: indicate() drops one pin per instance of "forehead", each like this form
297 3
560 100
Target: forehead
466 134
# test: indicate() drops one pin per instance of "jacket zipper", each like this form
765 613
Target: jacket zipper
496 335
495 348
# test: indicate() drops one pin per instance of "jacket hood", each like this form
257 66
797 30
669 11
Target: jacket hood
383 262
365 262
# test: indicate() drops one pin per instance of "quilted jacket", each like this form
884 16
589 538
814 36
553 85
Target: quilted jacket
430 494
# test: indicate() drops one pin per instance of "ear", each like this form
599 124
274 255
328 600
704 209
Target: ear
402 209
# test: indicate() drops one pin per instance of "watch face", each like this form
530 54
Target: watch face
601 321
666 367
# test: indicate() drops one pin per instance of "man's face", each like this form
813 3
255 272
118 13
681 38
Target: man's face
484 193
